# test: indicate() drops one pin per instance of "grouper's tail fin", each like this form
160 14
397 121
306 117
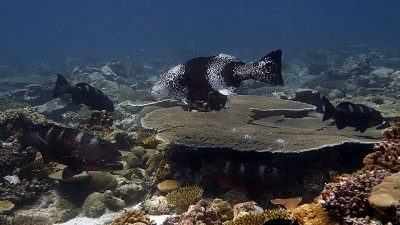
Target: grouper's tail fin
270 67
62 87
329 109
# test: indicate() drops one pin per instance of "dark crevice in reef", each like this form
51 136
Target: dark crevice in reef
276 174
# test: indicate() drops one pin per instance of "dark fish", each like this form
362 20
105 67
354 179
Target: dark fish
83 93
79 151
248 177
194 80
353 115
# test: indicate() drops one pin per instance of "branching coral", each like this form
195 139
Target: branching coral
386 154
183 197
134 217
282 217
248 218
350 196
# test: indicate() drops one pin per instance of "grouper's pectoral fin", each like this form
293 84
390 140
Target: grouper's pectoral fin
69 172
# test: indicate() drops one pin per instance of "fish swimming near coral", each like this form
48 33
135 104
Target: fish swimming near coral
83 93
78 150
209 79
353 115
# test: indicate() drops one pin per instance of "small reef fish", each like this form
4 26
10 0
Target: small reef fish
83 93
78 150
353 115
210 79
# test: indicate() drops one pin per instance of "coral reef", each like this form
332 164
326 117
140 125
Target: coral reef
23 191
183 197
5 206
13 123
102 181
200 213
100 120
229 128
313 214
134 217
250 218
392 132
386 154
113 203
157 205
350 196
246 207
93 205
223 209
385 199
282 217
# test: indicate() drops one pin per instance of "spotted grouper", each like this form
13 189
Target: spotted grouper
210 79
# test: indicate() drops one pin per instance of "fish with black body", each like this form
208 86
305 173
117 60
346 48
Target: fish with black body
78 150
208 80
83 93
353 115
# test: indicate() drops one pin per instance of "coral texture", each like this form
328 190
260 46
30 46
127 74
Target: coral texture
386 154
313 214
134 217
183 197
350 196
283 217
229 128
385 199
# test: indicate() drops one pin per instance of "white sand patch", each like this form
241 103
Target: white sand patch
108 217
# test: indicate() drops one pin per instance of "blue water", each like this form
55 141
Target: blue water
51 30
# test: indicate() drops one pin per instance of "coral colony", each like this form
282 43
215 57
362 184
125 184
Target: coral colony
121 144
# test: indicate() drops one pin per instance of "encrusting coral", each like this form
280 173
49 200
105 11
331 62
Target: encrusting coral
133 217
313 214
183 197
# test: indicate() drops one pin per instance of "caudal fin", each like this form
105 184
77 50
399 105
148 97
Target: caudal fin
329 109
271 68
267 70
62 87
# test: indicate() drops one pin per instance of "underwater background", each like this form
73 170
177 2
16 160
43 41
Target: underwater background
51 30
200 112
